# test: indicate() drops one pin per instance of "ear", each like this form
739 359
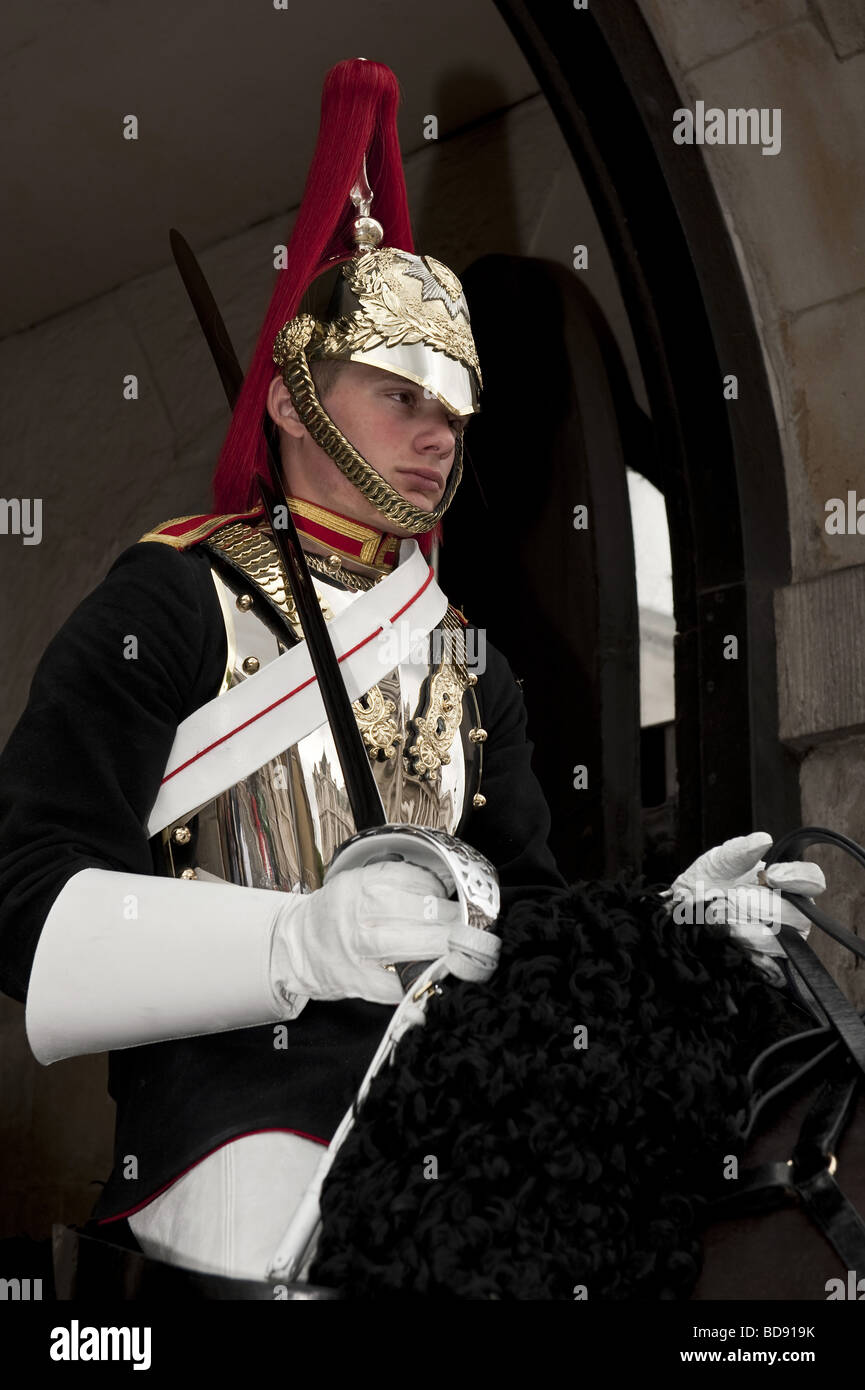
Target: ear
281 409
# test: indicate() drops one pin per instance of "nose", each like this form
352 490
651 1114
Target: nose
436 436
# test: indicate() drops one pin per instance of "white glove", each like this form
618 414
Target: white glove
127 959
336 942
723 886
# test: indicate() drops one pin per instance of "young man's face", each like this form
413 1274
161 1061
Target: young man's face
407 437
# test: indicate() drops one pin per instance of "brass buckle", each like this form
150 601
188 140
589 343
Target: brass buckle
432 987
831 1167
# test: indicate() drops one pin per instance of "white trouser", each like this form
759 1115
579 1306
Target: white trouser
228 1214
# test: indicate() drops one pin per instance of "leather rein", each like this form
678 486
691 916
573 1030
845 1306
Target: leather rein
833 1052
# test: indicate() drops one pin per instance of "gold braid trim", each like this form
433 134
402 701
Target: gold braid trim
208 525
289 353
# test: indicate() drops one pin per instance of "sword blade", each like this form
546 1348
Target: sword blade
208 315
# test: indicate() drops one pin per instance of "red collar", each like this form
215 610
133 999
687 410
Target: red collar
349 539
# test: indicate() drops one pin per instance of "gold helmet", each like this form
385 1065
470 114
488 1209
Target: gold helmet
386 308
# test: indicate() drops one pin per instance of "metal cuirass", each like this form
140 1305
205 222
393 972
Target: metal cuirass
281 826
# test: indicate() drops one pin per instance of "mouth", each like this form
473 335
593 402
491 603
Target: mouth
422 479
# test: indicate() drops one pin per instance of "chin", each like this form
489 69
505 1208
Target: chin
424 501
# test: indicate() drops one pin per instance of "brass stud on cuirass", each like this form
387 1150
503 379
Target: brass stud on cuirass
251 665
478 800
189 873
244 602
181 835
478 735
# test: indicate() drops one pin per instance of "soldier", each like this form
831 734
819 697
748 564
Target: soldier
167 852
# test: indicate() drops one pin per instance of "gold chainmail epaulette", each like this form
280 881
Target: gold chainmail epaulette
252 552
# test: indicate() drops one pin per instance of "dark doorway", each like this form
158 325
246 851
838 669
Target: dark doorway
539 545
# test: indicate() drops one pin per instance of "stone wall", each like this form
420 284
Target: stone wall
797 220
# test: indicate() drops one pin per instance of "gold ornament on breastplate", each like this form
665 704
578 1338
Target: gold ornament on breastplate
435 731
434 727
375 719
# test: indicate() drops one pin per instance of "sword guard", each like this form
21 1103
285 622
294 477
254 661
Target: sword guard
463 872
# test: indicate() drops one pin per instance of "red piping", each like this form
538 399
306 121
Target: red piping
106 1220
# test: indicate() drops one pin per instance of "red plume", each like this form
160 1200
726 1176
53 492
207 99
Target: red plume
358 116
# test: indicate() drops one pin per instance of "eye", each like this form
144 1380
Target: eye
408 396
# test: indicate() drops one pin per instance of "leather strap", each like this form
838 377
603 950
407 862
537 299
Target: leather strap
86 1266
814 1161
825 1123
839 1221
808 1177
820 1057
826 923
839 1011
779 1053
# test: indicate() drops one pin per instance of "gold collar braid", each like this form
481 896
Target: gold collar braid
290 355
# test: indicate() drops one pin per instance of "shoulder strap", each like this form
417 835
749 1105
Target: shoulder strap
182 532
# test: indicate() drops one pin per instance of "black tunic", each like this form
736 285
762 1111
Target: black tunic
77 781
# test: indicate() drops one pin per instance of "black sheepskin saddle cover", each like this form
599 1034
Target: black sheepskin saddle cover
555 1133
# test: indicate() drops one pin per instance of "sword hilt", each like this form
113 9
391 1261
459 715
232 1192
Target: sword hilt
465 874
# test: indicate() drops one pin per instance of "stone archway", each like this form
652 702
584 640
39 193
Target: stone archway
613 96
